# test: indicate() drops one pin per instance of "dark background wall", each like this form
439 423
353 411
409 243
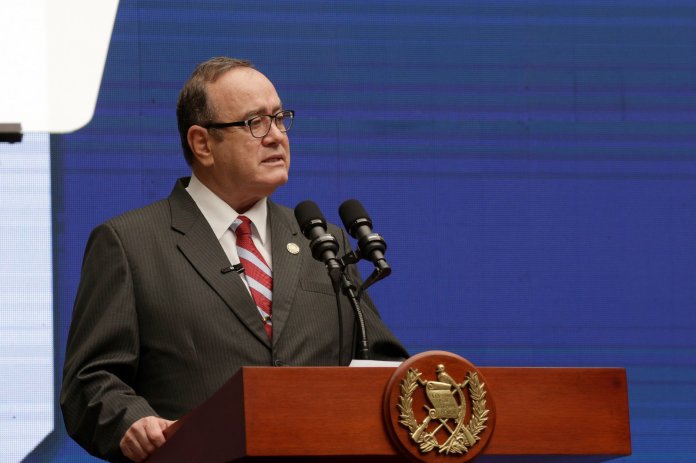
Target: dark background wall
530 164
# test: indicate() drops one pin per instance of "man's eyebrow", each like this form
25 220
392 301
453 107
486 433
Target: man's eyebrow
259 111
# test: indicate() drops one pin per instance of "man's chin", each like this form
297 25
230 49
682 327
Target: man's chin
274 183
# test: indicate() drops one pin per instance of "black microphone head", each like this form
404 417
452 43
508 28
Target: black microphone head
308 214
353 213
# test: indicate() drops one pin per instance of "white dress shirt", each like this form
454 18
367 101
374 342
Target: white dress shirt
220 216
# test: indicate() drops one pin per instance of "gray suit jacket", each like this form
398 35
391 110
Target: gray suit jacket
157 327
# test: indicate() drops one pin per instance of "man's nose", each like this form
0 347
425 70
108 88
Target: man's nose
273 136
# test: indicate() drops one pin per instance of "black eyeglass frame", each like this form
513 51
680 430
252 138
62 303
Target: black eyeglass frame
247 123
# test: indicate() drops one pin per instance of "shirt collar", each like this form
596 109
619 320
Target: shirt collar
220 215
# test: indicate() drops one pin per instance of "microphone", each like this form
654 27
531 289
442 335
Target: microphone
239 268
371 246
323 245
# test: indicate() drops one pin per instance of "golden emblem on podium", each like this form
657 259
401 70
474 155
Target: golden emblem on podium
448 410
434 415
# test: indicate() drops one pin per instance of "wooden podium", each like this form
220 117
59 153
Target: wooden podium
334 414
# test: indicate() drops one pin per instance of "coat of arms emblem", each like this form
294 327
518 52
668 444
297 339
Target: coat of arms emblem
444 427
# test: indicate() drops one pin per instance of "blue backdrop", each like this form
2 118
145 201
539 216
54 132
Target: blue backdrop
530 164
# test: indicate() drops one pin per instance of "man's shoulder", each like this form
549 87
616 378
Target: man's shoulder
155 214
149 214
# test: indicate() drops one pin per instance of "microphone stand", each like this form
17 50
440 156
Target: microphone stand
341 282
363 351
381 271
348 289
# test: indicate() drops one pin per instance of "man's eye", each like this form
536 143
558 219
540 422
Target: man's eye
256 122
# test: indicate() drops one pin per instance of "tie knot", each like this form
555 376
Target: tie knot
242 226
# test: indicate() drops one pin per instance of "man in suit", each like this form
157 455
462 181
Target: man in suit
162 317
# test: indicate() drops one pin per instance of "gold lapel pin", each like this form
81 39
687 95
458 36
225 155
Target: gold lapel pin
293 248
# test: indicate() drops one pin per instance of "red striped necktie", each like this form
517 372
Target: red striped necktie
256 270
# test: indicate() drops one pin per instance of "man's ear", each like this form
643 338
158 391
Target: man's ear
199 141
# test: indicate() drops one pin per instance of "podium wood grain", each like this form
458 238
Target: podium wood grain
334 414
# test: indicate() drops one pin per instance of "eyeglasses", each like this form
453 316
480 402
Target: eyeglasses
259 126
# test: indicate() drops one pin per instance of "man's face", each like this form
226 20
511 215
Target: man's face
245 169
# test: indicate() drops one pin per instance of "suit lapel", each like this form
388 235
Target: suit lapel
286 265
203 251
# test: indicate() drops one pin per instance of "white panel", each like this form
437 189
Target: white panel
52 59
26 305
23 90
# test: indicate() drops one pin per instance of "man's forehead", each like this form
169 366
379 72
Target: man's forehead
243 91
